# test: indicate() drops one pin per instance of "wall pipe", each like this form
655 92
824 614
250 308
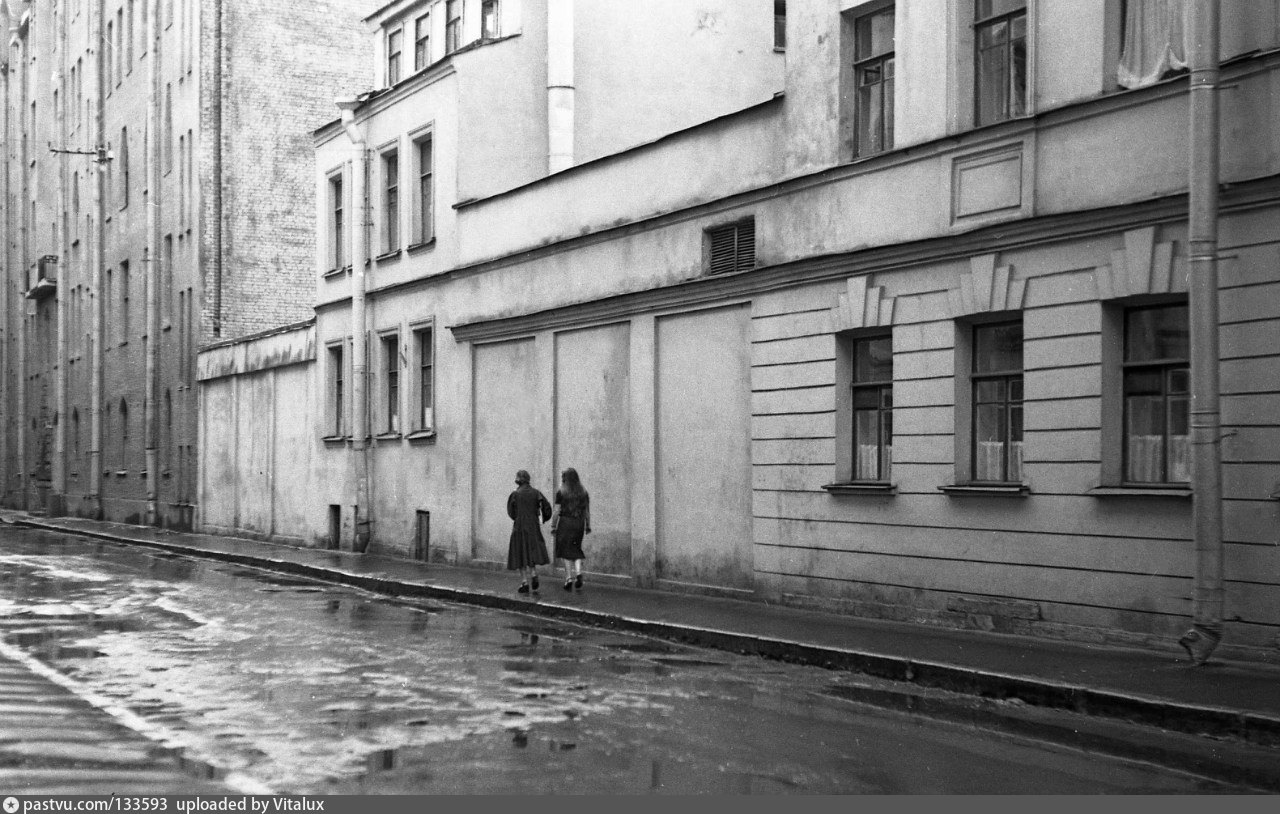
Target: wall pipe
360 254
561 110
1206 422
98 245
24 255
150 411
62 292
6 413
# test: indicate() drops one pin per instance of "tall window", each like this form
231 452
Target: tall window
390 201
124 167
168 127
425 352
336 394
997 403
119 45
182 180
426 192
109 59
1000 50
780 24
165 280
124 301
391 394
130 36
337 226
422 42
124 433
452 25
1157 395
393 56
489 19
873 75
873 408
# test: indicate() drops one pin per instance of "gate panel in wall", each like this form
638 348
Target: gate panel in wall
704 448
593 429
506 438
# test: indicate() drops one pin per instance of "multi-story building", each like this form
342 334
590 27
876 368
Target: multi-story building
897 325
158 180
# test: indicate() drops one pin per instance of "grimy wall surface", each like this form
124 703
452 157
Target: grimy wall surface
575 324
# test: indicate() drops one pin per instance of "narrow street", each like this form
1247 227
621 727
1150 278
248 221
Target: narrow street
309 688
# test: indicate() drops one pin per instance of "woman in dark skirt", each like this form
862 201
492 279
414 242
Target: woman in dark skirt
572 520
528 510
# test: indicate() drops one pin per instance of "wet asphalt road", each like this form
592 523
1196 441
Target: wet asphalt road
315 689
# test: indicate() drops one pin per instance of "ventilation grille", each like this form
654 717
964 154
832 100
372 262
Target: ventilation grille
733 247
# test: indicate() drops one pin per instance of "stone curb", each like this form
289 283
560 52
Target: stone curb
1218 722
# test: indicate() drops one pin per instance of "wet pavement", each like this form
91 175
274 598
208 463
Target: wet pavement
313 688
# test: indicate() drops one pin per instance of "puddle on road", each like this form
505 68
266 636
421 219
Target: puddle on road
311 688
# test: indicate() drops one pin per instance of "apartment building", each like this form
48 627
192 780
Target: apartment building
159 189
896 325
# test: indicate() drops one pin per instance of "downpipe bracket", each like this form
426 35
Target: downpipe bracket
1200 642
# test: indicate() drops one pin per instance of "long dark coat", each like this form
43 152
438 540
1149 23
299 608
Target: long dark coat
529 510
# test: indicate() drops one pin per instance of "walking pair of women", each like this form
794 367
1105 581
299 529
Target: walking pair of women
570 520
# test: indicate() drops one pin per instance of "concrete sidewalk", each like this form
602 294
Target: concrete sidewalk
1237 701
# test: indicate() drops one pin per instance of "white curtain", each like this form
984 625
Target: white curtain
1153 41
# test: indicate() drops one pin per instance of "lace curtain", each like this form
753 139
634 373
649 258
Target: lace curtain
1153 41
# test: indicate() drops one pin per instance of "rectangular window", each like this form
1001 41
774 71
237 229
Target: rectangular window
168 128
872 399
732 247
124 167
489 19
422 42
166 281
780 24
391 392
1000 60
390 201
393 56
109 58
130 36
1157 444
425 226
452 25
337 403
119 45
424 351
124 301
873 69
337 227
997 403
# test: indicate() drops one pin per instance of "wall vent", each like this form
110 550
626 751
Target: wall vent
732 247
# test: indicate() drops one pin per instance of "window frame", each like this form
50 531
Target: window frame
1006 376
335 217
847 386
337 361
453 25
424 205
423 378
1165 366
391 375
395 54
978 25
389 167
487 32
422 40
779 25
862 63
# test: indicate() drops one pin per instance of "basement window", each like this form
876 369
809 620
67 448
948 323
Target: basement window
731 247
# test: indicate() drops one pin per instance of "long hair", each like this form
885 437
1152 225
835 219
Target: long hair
572 484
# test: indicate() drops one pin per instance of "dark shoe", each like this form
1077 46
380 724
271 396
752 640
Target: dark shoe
568 584
535 582
523 589
577 582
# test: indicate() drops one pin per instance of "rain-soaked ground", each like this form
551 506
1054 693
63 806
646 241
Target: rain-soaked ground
310 688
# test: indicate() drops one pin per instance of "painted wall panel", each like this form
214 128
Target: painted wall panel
218 458
593 421
505 439
298 508
704 448
253 448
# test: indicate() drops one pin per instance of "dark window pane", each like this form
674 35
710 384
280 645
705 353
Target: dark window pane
1157 333
1142 382
874 35
866 398
873 360
1018 71
990 391
1015 388
886 397
1179 380
1179 450
990 8
997 347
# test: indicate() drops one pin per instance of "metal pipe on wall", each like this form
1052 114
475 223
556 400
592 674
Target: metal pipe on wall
24 259
6 280
99 245
1206 422
359 364
150 413
560 85
62 293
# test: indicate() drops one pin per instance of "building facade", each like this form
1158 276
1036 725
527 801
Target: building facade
159 195
901 328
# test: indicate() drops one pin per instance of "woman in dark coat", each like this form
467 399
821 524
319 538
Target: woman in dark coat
572 520
529 510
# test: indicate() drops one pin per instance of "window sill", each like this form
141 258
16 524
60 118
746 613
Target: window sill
336 272
422 436
1140 491
387 436
332 440
417 247
986 490
862 488
387 257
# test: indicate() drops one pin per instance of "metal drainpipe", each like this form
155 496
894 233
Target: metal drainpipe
151 419
359 367
217 166
560 85
1206 426
99 253
24 258
6 417
61 292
